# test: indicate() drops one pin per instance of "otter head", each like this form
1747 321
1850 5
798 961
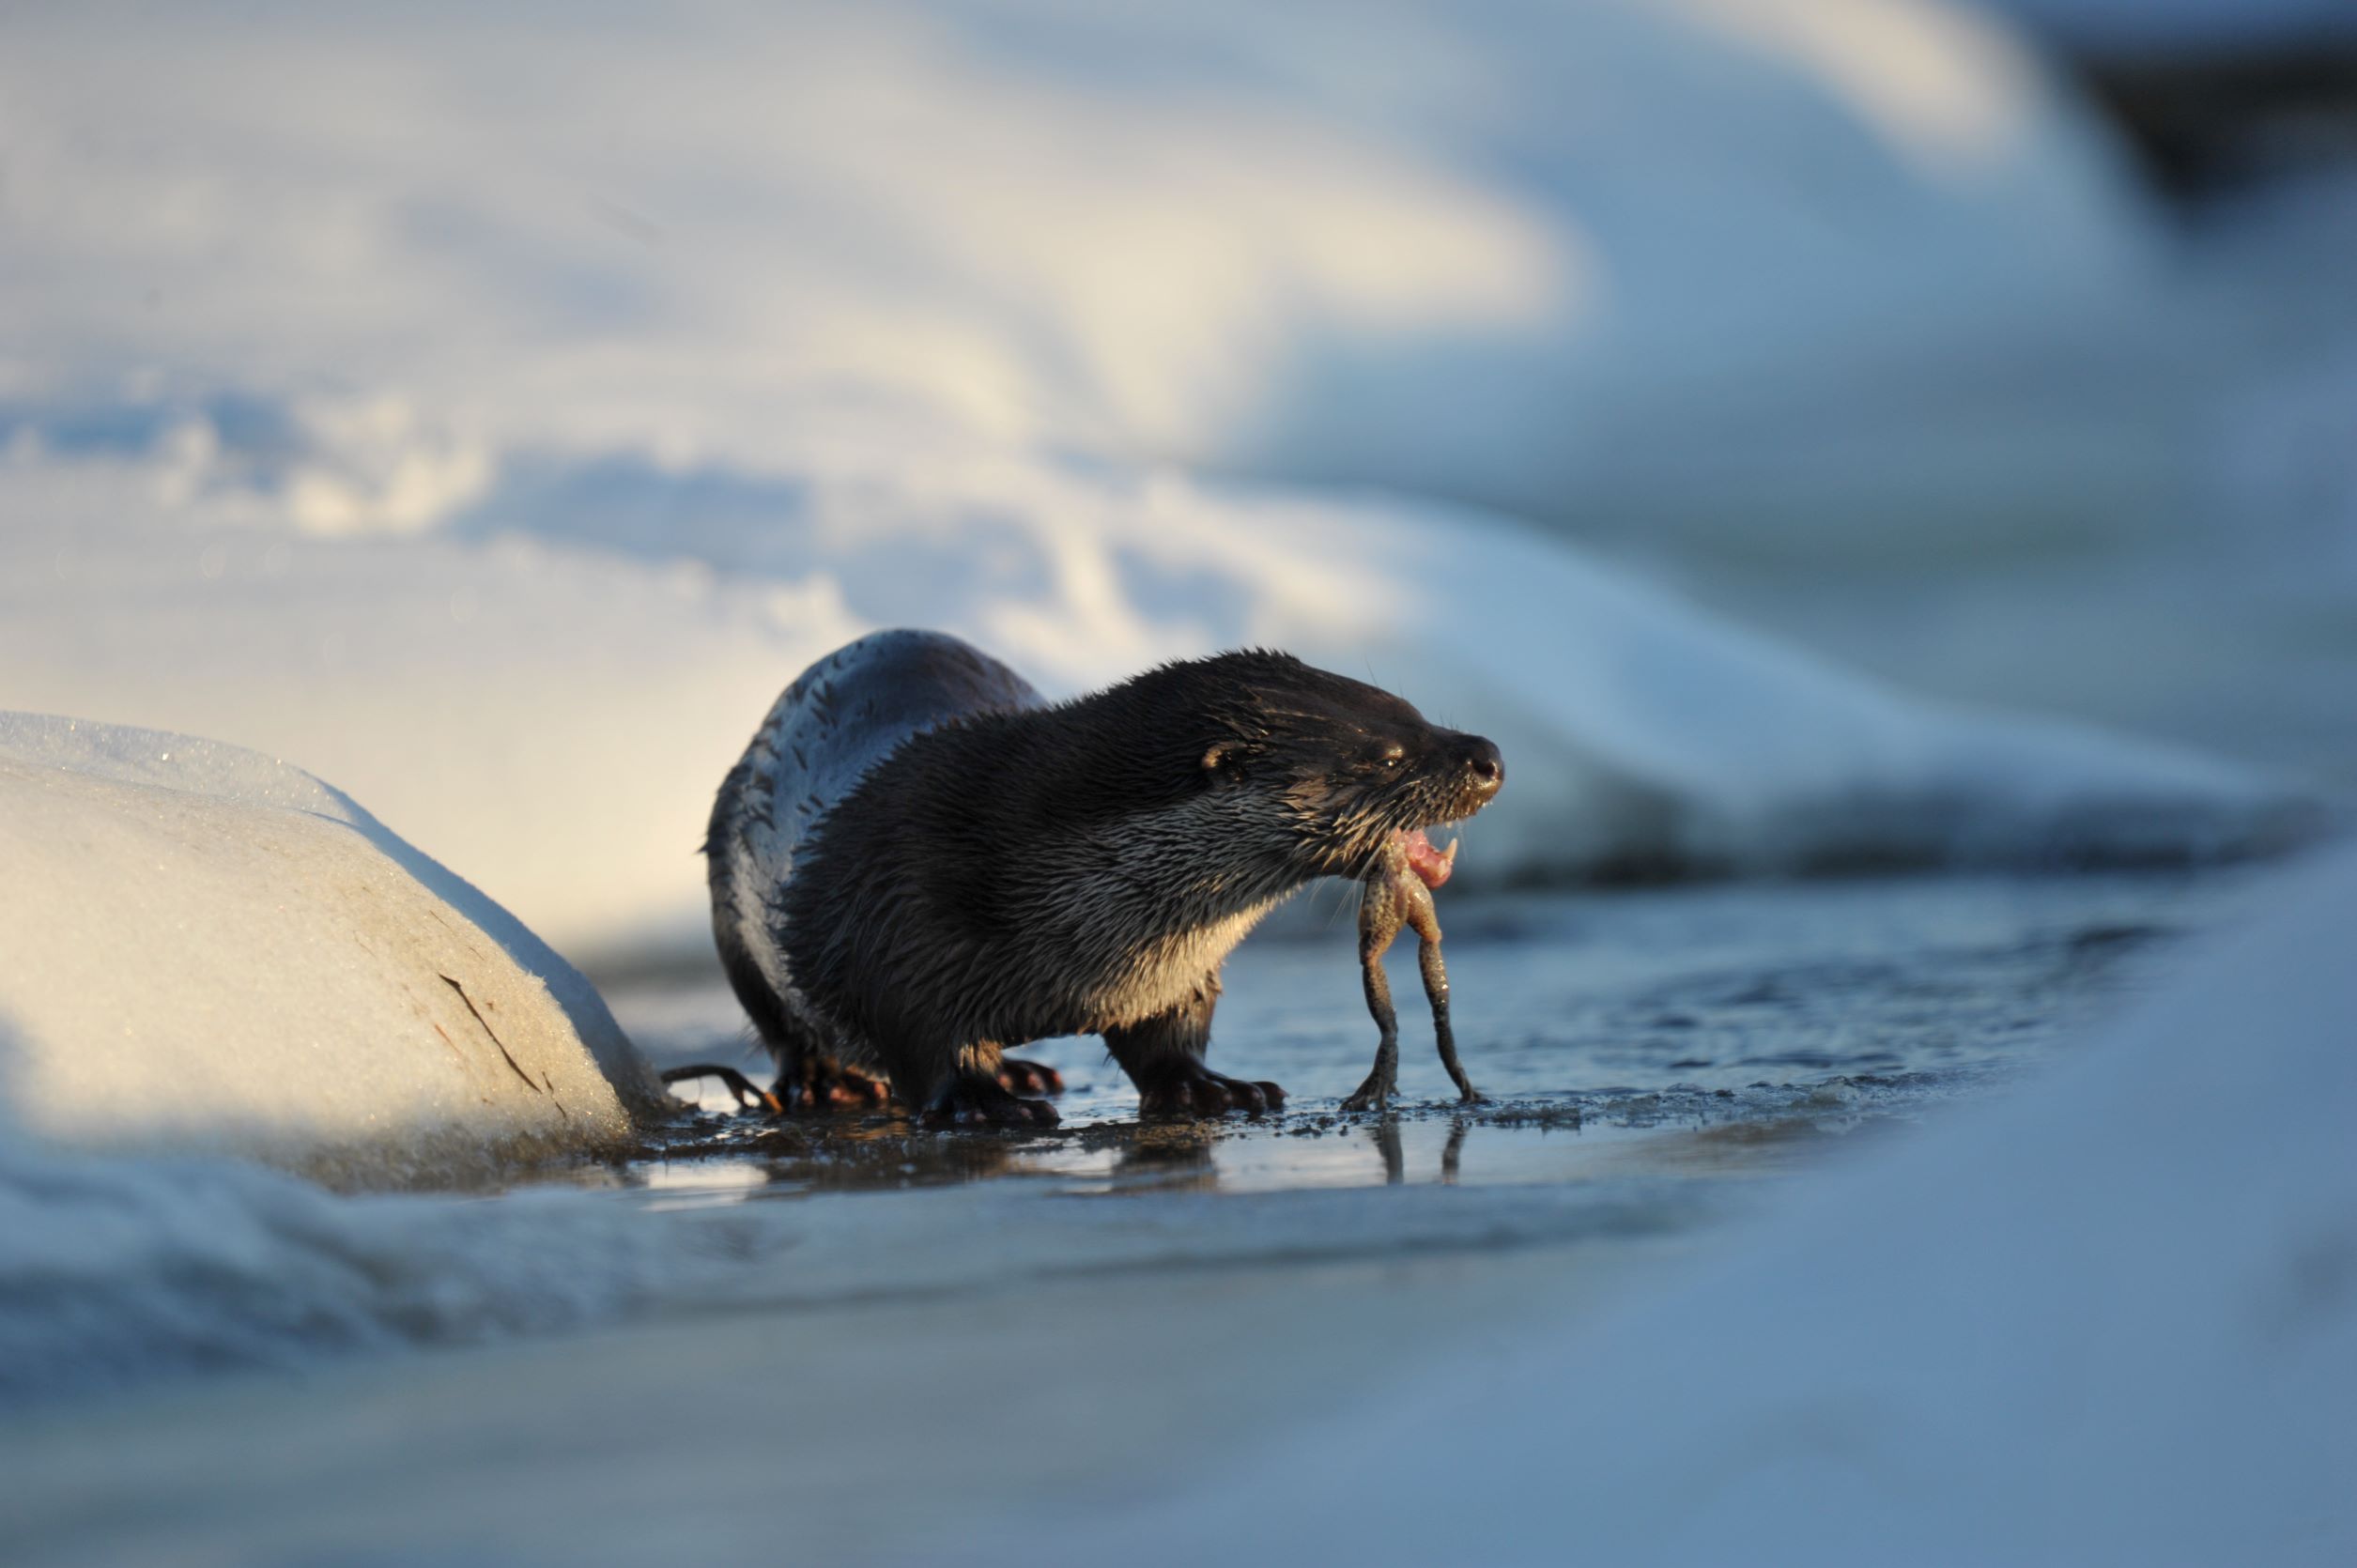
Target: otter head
1337 772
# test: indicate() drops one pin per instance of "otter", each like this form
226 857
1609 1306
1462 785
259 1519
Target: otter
920 862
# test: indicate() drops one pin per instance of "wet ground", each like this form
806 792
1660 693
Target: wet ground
1705 1031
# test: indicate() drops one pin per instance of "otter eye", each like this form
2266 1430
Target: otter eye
1392 757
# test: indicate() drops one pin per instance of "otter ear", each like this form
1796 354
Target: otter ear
1219 758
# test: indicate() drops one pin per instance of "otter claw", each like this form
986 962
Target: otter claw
1200 1092
1257 1096
1022 1077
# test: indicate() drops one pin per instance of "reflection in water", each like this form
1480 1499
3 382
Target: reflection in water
1175 1157
1393 1150
1545 1139
822 1153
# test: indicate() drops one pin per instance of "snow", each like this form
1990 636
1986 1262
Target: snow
1471 248
494 411
120 1271
551 705
505 468
2110 1318
203 948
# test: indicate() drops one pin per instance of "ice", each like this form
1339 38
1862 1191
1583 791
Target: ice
208 949
2111 1318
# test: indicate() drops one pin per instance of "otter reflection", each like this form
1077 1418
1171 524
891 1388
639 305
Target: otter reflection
892 1151
1170 1158
835 1154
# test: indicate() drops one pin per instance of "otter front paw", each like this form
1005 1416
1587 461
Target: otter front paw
973 1101
1190 1089
1028 1077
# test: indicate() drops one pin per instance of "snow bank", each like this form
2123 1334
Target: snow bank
204 948
550 701
2112 1319
1504 253
553 720
506 470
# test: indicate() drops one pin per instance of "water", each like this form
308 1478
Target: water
1700 1030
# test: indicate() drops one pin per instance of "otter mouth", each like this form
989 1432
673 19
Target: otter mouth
1432 866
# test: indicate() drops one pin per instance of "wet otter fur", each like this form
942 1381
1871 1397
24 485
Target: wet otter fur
918 863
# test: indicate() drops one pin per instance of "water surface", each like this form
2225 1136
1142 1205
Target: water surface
1702 1030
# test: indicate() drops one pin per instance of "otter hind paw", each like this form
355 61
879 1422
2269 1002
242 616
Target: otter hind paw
973 1101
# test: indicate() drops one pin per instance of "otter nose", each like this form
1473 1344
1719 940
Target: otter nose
1484 765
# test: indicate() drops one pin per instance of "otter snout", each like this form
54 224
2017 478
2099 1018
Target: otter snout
1485 768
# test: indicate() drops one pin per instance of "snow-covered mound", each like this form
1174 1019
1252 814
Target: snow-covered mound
203 948
552 704
2113 1319
1502 252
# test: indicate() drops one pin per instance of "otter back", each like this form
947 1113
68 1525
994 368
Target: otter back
839 718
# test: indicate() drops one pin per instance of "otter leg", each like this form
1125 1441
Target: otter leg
972 1096
1378 922
1436 989
1164 1057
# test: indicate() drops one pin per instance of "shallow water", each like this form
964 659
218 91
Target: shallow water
1708 1030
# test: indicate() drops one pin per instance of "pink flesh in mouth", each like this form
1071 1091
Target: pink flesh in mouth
1431 866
